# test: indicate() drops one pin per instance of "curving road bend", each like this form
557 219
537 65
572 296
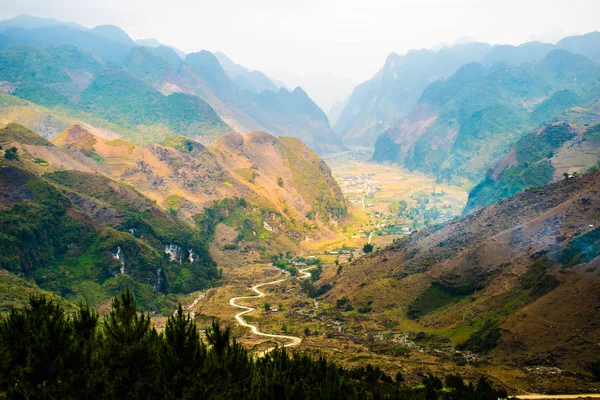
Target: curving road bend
294 340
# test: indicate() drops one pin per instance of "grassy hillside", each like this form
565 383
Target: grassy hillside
299 182
96 93
489 282
125 100
276 178
15 293
312 178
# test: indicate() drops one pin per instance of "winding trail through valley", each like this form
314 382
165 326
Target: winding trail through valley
294 340
364 205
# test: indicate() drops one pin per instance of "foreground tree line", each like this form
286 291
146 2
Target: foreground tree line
46 354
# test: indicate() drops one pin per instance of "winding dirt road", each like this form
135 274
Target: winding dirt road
294 340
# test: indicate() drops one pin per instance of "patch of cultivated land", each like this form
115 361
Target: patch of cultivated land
388 200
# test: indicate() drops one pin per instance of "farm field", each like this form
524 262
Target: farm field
387 200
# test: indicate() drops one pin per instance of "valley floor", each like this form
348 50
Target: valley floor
387 202
321 333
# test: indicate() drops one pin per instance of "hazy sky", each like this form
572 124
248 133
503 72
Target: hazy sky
348 38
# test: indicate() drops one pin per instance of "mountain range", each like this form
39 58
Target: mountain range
461 125
84 73
394 92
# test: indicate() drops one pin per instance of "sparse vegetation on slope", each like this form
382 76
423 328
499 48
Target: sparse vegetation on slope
484 281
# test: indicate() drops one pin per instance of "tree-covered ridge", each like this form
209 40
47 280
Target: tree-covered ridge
478 113
22 63
145 64
84 236
45 354
532 162
73 82
119 97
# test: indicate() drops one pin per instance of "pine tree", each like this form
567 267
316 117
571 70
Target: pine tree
88 382
131 352
218 338
39 357
184 355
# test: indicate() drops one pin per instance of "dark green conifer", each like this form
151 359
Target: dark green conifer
130 353
183 355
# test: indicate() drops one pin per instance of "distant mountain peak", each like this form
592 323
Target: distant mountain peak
154 43
206 64
149 42
464 40
114 33
298 91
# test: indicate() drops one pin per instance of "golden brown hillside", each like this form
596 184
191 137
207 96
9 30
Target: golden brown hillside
516 282
291 193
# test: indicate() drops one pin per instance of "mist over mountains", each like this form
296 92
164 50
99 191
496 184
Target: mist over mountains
245 101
